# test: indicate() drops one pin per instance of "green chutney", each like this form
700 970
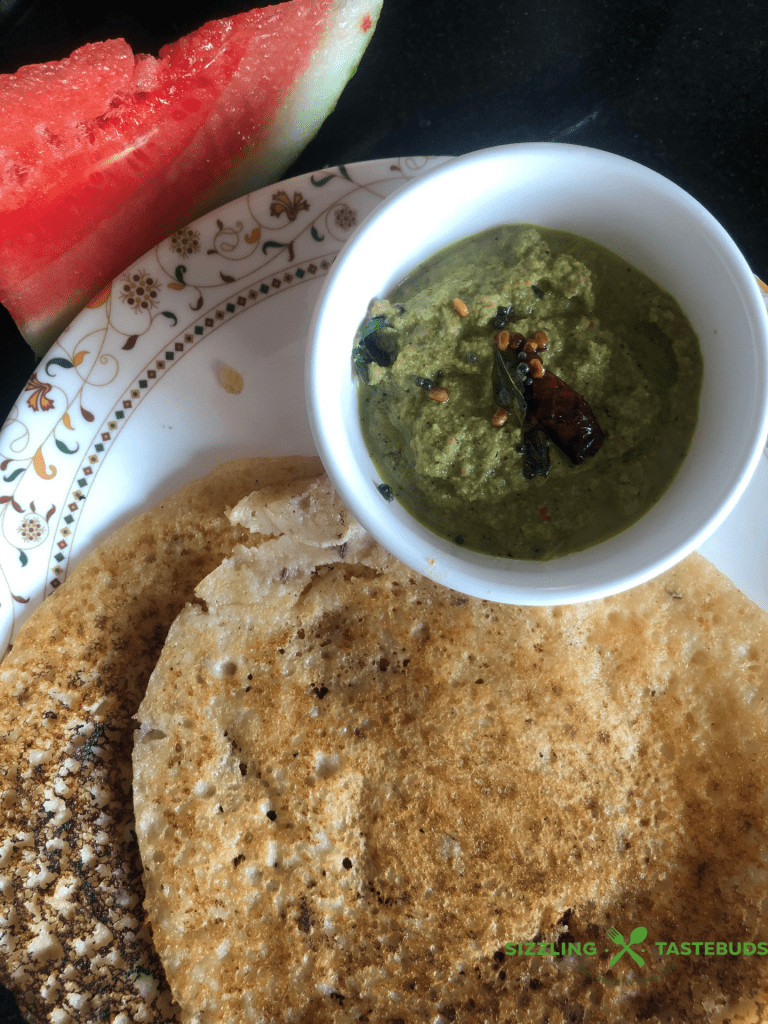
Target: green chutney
614 336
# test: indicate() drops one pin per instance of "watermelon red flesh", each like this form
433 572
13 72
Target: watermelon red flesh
106 153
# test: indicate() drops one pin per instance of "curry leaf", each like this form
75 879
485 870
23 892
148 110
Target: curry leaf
508 382
372 326
535 453
371 341
370 348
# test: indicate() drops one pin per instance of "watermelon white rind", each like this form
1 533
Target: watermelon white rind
104 155
306 107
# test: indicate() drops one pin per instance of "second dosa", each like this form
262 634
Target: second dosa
353 788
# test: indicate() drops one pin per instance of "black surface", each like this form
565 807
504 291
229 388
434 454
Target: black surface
678 85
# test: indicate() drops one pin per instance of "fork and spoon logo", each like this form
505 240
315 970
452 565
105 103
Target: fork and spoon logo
637 935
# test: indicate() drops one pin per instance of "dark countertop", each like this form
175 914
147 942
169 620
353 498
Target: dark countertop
678 85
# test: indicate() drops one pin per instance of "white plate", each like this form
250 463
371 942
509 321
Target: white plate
130 403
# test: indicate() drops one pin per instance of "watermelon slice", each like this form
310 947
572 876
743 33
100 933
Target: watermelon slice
106 153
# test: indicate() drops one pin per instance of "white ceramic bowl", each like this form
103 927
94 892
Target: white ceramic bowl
638 214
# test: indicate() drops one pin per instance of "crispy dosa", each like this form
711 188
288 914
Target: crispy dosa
74 942
353 788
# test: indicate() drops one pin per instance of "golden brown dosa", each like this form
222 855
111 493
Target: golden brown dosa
74 943
354 787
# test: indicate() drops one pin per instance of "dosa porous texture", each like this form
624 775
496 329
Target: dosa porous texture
74 942
354 787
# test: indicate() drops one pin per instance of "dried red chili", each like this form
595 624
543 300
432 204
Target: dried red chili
565 417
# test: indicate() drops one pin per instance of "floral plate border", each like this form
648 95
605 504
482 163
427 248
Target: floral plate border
127 342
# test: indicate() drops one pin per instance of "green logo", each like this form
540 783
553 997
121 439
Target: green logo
638 934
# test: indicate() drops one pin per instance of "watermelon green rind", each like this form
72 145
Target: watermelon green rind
207 121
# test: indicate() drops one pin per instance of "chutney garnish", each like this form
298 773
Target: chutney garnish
373 346
503 315
508 377
535 452
547 408
565 416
